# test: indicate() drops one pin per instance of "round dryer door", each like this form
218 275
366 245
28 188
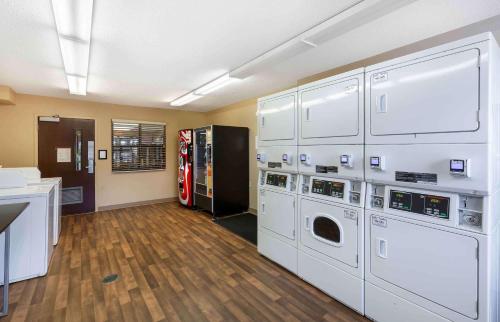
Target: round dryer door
329 229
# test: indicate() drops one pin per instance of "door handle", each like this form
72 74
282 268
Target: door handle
381 248
263 121
307 113
90 157
263 209
381 103
307 222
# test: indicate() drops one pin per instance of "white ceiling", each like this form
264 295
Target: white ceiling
148 53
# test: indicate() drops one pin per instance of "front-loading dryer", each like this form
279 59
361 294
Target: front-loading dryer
331 237
428 257
277 204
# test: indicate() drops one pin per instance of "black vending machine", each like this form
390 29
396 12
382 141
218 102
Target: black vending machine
221 166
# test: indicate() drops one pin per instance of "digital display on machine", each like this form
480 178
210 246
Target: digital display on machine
303 157
429 205
278 180
344 159
328 188
457 166
374 161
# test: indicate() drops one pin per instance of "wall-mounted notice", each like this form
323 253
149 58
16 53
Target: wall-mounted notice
63 155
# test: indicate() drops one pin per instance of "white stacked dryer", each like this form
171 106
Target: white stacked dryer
332 188
433 172
277 191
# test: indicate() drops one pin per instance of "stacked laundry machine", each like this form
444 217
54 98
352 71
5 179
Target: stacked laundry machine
278 178
390 202
331 186
433 170
311 183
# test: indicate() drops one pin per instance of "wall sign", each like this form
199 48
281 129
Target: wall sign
103 154
63 155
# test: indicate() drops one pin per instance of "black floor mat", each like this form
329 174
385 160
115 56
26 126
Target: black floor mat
244 225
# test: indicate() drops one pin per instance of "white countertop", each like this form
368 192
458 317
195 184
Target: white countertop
54 181
25 192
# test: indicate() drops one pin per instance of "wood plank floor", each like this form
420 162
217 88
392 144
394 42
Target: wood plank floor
173 265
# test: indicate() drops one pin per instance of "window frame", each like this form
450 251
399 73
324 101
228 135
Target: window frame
139 123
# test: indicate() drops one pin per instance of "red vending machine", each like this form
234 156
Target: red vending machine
185 174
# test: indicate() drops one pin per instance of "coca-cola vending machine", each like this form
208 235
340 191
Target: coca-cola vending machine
185 174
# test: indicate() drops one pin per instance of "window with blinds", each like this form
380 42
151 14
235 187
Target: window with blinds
138 146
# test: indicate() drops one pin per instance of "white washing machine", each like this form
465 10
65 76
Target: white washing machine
277 119
56 182
31 234
432 168
331 218
277 203
33 177
331 110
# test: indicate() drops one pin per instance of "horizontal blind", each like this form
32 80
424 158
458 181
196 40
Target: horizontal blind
138 146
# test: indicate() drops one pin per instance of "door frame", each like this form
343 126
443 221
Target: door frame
72 116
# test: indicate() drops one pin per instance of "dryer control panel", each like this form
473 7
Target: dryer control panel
279 181
349 192
328 188
450 209
424 204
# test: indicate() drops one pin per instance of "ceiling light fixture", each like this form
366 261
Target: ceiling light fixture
363 11
77 85
215 85
185 99
74 26
356 15
204 90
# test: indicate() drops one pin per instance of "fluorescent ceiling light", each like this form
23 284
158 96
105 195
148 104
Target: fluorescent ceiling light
203 90
358 14
215 85
73 18
183 100
74 26
77 85
75 56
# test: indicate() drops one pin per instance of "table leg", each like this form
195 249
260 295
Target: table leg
5 307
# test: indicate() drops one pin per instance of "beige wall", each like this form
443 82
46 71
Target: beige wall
241 114
18 141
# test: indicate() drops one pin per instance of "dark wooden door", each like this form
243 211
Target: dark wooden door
66 149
